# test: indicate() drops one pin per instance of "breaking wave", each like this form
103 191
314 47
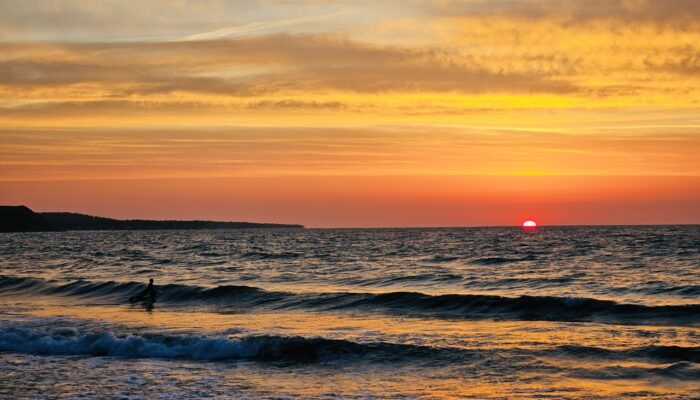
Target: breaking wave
74 342
109 344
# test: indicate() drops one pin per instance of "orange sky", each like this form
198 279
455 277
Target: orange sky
377 201
410 113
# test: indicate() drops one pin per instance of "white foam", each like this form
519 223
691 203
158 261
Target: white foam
72 342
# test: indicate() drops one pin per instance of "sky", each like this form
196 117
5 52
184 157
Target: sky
353 113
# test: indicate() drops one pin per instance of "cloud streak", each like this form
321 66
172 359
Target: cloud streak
300 63
257 27
653 11
306 151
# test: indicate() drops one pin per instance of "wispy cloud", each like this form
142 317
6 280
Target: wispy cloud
257 27
308 151
308 63
482 59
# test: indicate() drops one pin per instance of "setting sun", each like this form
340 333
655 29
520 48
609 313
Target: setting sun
529 224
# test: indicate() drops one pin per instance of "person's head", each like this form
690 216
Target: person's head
150 280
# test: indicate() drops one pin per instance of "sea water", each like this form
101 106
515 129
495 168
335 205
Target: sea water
556 312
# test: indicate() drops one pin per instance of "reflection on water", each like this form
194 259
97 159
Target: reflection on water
476 313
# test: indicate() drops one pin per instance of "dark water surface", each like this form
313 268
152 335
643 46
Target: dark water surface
560 312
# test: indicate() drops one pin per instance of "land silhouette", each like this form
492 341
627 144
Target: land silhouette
23 219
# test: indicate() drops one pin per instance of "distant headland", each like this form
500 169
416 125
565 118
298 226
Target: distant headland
23 219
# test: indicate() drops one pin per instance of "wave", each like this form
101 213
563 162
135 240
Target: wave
442 259
108 344
74 342
665 354
680 370
451 306
689 290
258 255
418 278
478 261
499 260
79 288
528 308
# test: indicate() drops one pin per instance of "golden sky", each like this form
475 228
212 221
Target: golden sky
456 103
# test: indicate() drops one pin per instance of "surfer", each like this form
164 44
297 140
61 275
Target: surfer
147 295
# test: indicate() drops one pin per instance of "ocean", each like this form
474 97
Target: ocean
482 313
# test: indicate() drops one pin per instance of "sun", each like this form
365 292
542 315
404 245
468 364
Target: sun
529 224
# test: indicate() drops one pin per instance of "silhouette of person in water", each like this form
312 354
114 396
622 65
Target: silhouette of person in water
150 289
147 295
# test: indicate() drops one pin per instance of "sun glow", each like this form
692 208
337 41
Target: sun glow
529 224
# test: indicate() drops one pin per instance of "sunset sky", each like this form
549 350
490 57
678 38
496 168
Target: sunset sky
353 113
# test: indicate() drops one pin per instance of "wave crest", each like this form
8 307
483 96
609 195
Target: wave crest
109 344
457 306
72 342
